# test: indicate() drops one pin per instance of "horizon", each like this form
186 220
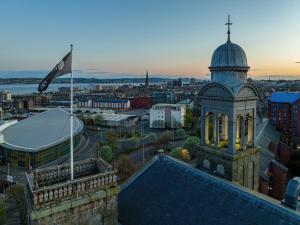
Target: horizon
115 76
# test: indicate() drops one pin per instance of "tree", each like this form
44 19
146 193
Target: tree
105 153
16 193
2 213
125 168
181 153
134 142
112 139
151 138
191 144
188 117
165 137
180 133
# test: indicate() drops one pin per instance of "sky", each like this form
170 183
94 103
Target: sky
166 37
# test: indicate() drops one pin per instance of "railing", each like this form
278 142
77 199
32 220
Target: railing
57 174
52 194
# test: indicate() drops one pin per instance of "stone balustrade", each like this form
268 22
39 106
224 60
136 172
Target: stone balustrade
51 185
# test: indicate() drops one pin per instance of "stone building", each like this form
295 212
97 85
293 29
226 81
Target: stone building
90 199
228 115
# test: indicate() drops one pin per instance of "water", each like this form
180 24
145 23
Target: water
26 89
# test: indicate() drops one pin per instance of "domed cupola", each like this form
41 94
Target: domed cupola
229 63
229 56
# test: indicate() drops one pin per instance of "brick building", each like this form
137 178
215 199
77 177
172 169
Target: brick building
141 102
273 171
283 112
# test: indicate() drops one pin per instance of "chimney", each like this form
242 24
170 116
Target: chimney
292 192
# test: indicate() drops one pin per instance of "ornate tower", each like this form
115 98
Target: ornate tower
228 114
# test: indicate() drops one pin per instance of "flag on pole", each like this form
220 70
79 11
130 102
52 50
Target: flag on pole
62 68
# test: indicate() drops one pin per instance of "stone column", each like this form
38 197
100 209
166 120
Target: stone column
206 129
250 131
238 124
243 137
254 126
231 133
203 128
225 128
216 122
215 128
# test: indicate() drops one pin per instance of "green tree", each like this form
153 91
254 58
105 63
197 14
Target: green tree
180 133
134 142
188 118
105 153
152 138
165 137
125 168
2 213
16 193
181 153
191 144
112 139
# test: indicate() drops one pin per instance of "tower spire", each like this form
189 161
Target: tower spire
228 24
147 80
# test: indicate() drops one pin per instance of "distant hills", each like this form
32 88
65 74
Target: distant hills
81 80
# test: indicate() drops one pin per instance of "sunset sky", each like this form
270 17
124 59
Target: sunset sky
168 37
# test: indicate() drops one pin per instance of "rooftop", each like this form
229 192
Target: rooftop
285 97
40 131
167 191
115 117
168 105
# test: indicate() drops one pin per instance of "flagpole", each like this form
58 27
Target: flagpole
71 121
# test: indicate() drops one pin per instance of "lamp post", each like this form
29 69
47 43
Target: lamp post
98 146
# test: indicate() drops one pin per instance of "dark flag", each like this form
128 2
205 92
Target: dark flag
62 68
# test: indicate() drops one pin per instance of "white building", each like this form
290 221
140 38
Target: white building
167 115
5 96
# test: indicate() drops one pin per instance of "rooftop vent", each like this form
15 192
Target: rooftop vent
291 198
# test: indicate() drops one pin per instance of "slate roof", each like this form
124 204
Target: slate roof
285 97
169 192
40 131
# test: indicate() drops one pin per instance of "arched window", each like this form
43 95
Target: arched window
220 169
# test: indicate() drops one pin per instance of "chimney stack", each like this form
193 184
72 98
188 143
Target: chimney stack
291 198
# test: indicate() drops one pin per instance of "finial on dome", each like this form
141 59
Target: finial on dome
228 24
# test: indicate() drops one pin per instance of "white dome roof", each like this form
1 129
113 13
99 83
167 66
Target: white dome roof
229 56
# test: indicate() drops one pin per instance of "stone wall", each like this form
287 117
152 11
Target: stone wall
241 168
99 208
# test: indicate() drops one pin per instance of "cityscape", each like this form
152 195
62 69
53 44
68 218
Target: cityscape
141 119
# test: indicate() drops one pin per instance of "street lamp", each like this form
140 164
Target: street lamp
98 146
